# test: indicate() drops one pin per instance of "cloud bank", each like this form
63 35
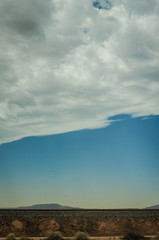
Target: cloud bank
70 65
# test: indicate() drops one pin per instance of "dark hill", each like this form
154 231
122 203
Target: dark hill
46 206
153 207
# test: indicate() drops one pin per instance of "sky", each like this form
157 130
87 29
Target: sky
79 93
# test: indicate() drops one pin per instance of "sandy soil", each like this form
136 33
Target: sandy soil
91 238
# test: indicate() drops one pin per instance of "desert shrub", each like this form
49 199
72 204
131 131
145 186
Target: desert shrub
157 236
24 238
81 236
55 236
133 236
10 236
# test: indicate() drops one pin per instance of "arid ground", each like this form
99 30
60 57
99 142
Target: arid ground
97 223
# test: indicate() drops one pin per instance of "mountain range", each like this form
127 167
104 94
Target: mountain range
58 206
46 206
153 207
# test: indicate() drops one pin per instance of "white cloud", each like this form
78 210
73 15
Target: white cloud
66 65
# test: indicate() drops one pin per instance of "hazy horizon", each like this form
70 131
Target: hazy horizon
71 207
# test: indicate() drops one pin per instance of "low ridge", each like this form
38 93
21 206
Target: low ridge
153 207
46 206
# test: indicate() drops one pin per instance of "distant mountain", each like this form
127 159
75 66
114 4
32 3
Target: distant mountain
46 206
153 207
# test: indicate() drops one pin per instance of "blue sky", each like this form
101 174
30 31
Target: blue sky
79 94
112 167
